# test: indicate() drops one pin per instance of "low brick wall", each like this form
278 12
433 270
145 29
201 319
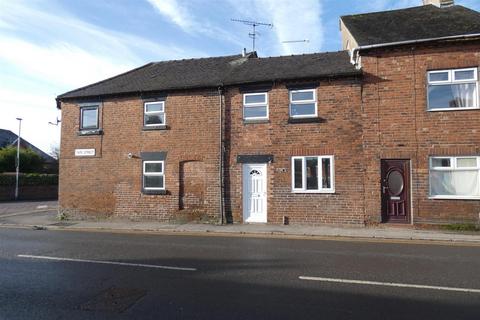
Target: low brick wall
31 187
7 193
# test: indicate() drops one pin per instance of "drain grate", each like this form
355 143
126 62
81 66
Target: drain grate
114 300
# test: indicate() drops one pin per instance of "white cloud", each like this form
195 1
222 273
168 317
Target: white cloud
175 12
58 52
60 64
296 21
184 14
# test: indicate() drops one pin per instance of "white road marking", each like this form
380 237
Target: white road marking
42 207
389 284
107 262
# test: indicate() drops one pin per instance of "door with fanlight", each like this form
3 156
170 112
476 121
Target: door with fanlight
255 193
395 190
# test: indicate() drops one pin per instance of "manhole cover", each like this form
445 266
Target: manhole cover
63 224
114 300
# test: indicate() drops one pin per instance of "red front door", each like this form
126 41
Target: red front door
395 190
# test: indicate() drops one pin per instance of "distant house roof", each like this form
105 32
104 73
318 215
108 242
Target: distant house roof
218 71
8 138
417 23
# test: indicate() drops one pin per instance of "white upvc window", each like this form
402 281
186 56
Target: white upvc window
89 117
255 106
303 103
153 175
313 174
154 113
455 177
453 89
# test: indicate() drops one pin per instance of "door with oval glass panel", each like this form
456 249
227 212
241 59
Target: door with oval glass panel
395 190
255 193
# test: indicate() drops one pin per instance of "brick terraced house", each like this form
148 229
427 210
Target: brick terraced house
387 130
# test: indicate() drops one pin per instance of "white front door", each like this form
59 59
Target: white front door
255 193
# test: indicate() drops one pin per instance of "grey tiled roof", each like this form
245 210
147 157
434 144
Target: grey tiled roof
7 137
217 71
417 23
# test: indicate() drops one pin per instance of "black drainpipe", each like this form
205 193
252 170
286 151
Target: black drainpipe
222 189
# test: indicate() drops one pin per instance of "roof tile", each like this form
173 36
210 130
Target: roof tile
217 71
417 23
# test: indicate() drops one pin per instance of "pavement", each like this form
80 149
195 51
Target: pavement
43 215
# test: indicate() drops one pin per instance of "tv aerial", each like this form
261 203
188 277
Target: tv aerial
55 124
254 24
296 41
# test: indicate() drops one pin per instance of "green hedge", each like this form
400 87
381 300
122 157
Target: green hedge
29 179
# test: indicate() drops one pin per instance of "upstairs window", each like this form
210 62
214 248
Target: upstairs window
255 106
454 177
303 103
89 117
312 174
154 113
453 89
153 175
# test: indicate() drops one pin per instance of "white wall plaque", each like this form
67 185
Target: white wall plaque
84 152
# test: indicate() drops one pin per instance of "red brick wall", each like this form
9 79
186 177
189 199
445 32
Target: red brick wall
110 183
46 192
339 135
398 125
382 116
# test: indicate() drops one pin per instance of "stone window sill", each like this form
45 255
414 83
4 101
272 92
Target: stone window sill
159 127
154 192
90 132
253 121
306 120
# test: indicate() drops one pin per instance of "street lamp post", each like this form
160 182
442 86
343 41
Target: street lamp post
18 157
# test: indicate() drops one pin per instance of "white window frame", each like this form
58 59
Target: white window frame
162 174
320 189
314 100
145 112
258 104
451 80
89 107
453 167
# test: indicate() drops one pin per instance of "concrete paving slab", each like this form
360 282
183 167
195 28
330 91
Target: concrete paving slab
48 219
26 206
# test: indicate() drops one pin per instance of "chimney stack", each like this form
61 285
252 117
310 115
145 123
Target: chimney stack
439 3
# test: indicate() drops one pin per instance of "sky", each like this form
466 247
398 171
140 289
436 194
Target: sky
48 47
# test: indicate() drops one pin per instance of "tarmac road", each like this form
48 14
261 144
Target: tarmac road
88 275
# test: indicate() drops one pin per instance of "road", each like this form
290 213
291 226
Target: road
86 275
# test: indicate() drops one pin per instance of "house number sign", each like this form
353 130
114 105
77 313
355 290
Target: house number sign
84 152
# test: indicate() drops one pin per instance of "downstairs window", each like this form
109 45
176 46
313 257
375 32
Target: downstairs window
454 177
153 175
313 174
